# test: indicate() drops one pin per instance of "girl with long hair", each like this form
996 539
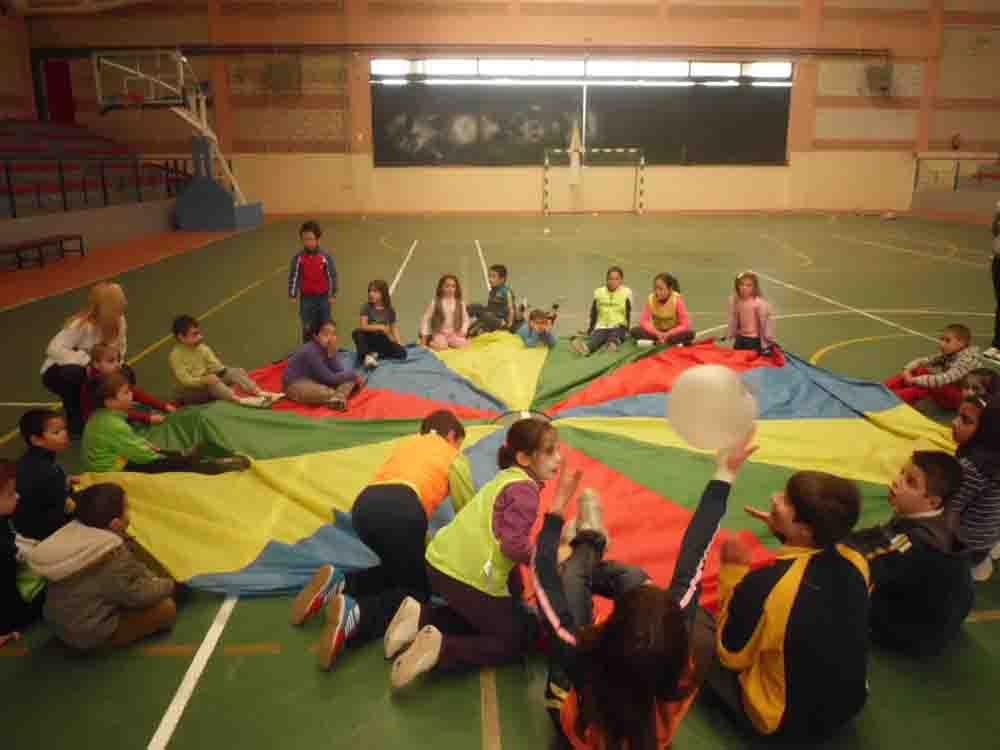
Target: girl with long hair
378 334
974 510
445 323
67 356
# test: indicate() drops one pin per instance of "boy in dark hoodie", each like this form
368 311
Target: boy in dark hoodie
42 486
921 588
99 593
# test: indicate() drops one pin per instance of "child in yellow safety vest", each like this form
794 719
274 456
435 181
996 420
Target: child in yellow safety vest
665 318
610 315
472 565
391 517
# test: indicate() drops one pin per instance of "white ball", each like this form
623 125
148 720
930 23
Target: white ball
711 408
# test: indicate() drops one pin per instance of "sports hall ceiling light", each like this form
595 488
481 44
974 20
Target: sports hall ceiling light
719 83
773 84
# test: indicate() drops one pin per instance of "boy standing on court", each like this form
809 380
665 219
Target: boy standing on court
312 278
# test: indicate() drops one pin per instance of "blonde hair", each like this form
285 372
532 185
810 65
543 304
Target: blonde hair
105 307
747 275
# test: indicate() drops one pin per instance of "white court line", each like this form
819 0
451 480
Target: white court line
482 262
918 253
31 404
176 708
842 306
402 267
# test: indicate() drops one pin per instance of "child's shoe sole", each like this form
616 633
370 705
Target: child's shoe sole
310 600
418 659
333 637
403 628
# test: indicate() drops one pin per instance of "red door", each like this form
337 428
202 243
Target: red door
59 91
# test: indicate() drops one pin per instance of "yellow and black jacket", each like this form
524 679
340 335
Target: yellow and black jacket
797 634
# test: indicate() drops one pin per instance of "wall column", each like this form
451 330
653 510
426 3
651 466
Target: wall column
935 32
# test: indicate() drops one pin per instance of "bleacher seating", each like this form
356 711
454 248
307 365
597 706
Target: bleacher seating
48 167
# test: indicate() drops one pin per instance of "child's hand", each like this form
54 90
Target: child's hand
211 379
170 408
569 482
732 460
333 298
157 419
735 552
761 515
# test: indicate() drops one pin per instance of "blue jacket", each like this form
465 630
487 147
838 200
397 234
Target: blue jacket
295 273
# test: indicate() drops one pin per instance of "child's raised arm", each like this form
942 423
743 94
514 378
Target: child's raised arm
704 525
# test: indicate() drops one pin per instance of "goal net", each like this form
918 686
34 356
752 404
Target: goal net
593 179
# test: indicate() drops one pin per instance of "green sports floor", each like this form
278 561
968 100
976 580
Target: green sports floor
857 295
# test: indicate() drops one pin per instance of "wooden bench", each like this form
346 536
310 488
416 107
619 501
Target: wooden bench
34 250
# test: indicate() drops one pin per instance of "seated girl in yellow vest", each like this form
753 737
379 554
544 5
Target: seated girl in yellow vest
472 565
665 317
390 516
610 315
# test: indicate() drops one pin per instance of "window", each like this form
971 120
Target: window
664 68
489 67
715 69
557 67
450 67
387 67
767 70
621 68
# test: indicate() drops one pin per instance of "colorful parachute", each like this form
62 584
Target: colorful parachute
265 530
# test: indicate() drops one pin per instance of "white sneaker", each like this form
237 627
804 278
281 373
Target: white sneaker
995 552
983 571
273 396
992 353
403 628
371 361
421 657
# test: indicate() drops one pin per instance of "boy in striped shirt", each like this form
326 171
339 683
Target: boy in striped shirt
939 377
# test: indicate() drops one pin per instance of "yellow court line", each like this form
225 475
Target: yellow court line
488 710
161 341
819 354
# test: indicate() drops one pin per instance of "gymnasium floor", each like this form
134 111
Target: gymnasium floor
854 294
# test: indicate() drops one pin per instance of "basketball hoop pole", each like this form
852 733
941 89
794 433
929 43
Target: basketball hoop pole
194 110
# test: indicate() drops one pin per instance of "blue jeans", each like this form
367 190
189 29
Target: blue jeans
313 310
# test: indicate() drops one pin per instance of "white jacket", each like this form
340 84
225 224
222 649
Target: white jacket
73 344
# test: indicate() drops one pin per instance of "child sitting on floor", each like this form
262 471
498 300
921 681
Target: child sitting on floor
391 516
921 589
43 489
314 376
378 334
201 377
665 318
445 323
472 565
99 594
982 382
17 608
629 680
938 377
110 443
791 646
751 319
974 511
104 360
537 329
610 315
499 312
